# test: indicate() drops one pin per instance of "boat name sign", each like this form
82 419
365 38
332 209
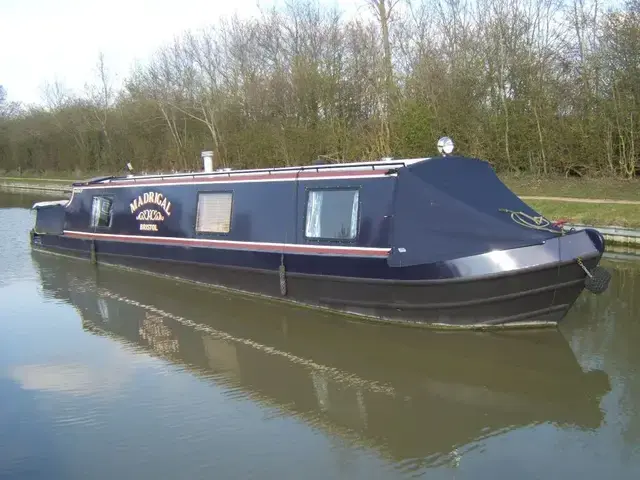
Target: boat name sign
153 199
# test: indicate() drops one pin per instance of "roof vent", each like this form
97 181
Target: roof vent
207 159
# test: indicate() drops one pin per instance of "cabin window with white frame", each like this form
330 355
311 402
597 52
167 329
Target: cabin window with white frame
214 212
101 210
332 214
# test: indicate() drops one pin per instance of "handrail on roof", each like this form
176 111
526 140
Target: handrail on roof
334 166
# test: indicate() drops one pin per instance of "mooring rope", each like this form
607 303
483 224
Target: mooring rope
536 223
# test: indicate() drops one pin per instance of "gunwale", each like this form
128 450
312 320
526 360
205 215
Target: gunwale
240 244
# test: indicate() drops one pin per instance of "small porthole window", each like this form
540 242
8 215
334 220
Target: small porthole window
101 212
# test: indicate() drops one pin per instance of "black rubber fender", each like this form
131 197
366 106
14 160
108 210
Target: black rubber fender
598 281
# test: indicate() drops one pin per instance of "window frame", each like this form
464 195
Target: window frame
111 211
195 219
354 239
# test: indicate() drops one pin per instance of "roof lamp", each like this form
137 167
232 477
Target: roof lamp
445 146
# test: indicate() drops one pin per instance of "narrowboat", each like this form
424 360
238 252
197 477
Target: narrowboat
437 241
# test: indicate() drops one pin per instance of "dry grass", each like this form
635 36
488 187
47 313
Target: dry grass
592 187
598 214
605 214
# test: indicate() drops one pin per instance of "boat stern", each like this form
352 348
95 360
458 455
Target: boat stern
50 219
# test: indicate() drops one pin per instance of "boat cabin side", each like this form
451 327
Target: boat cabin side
335 209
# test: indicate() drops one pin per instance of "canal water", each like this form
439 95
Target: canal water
109 374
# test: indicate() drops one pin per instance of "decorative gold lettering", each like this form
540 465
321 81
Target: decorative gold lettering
149 226
154 198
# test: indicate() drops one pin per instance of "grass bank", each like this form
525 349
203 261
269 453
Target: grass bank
590 201
598 214
573 187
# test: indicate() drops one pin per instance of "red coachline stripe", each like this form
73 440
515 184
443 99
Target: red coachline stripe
259 246
236 177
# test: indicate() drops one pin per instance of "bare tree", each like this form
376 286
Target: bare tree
543 86
101 96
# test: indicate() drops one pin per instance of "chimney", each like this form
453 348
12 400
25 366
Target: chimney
207 158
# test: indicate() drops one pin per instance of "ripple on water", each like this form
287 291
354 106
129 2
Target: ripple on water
14 247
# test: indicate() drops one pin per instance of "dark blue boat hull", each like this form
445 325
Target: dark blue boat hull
523 287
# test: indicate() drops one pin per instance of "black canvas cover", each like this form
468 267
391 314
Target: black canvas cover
50 219
449 207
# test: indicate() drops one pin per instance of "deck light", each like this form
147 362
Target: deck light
445 146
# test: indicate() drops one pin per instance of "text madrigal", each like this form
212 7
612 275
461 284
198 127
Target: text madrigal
154 198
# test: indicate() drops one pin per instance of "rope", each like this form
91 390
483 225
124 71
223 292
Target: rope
536 223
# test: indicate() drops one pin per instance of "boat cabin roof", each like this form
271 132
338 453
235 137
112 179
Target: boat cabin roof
369 165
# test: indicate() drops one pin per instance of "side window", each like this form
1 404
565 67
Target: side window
101 211
214 212
332 214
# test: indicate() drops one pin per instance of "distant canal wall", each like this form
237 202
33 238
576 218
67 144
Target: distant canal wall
19 185
622 236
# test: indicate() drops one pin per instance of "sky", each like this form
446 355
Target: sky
59 40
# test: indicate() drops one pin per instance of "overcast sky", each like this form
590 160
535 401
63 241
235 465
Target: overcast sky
45 40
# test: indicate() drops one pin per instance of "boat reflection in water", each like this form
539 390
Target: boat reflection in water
415 396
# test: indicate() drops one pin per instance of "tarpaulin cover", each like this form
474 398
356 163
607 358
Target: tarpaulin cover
50 220
449 207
